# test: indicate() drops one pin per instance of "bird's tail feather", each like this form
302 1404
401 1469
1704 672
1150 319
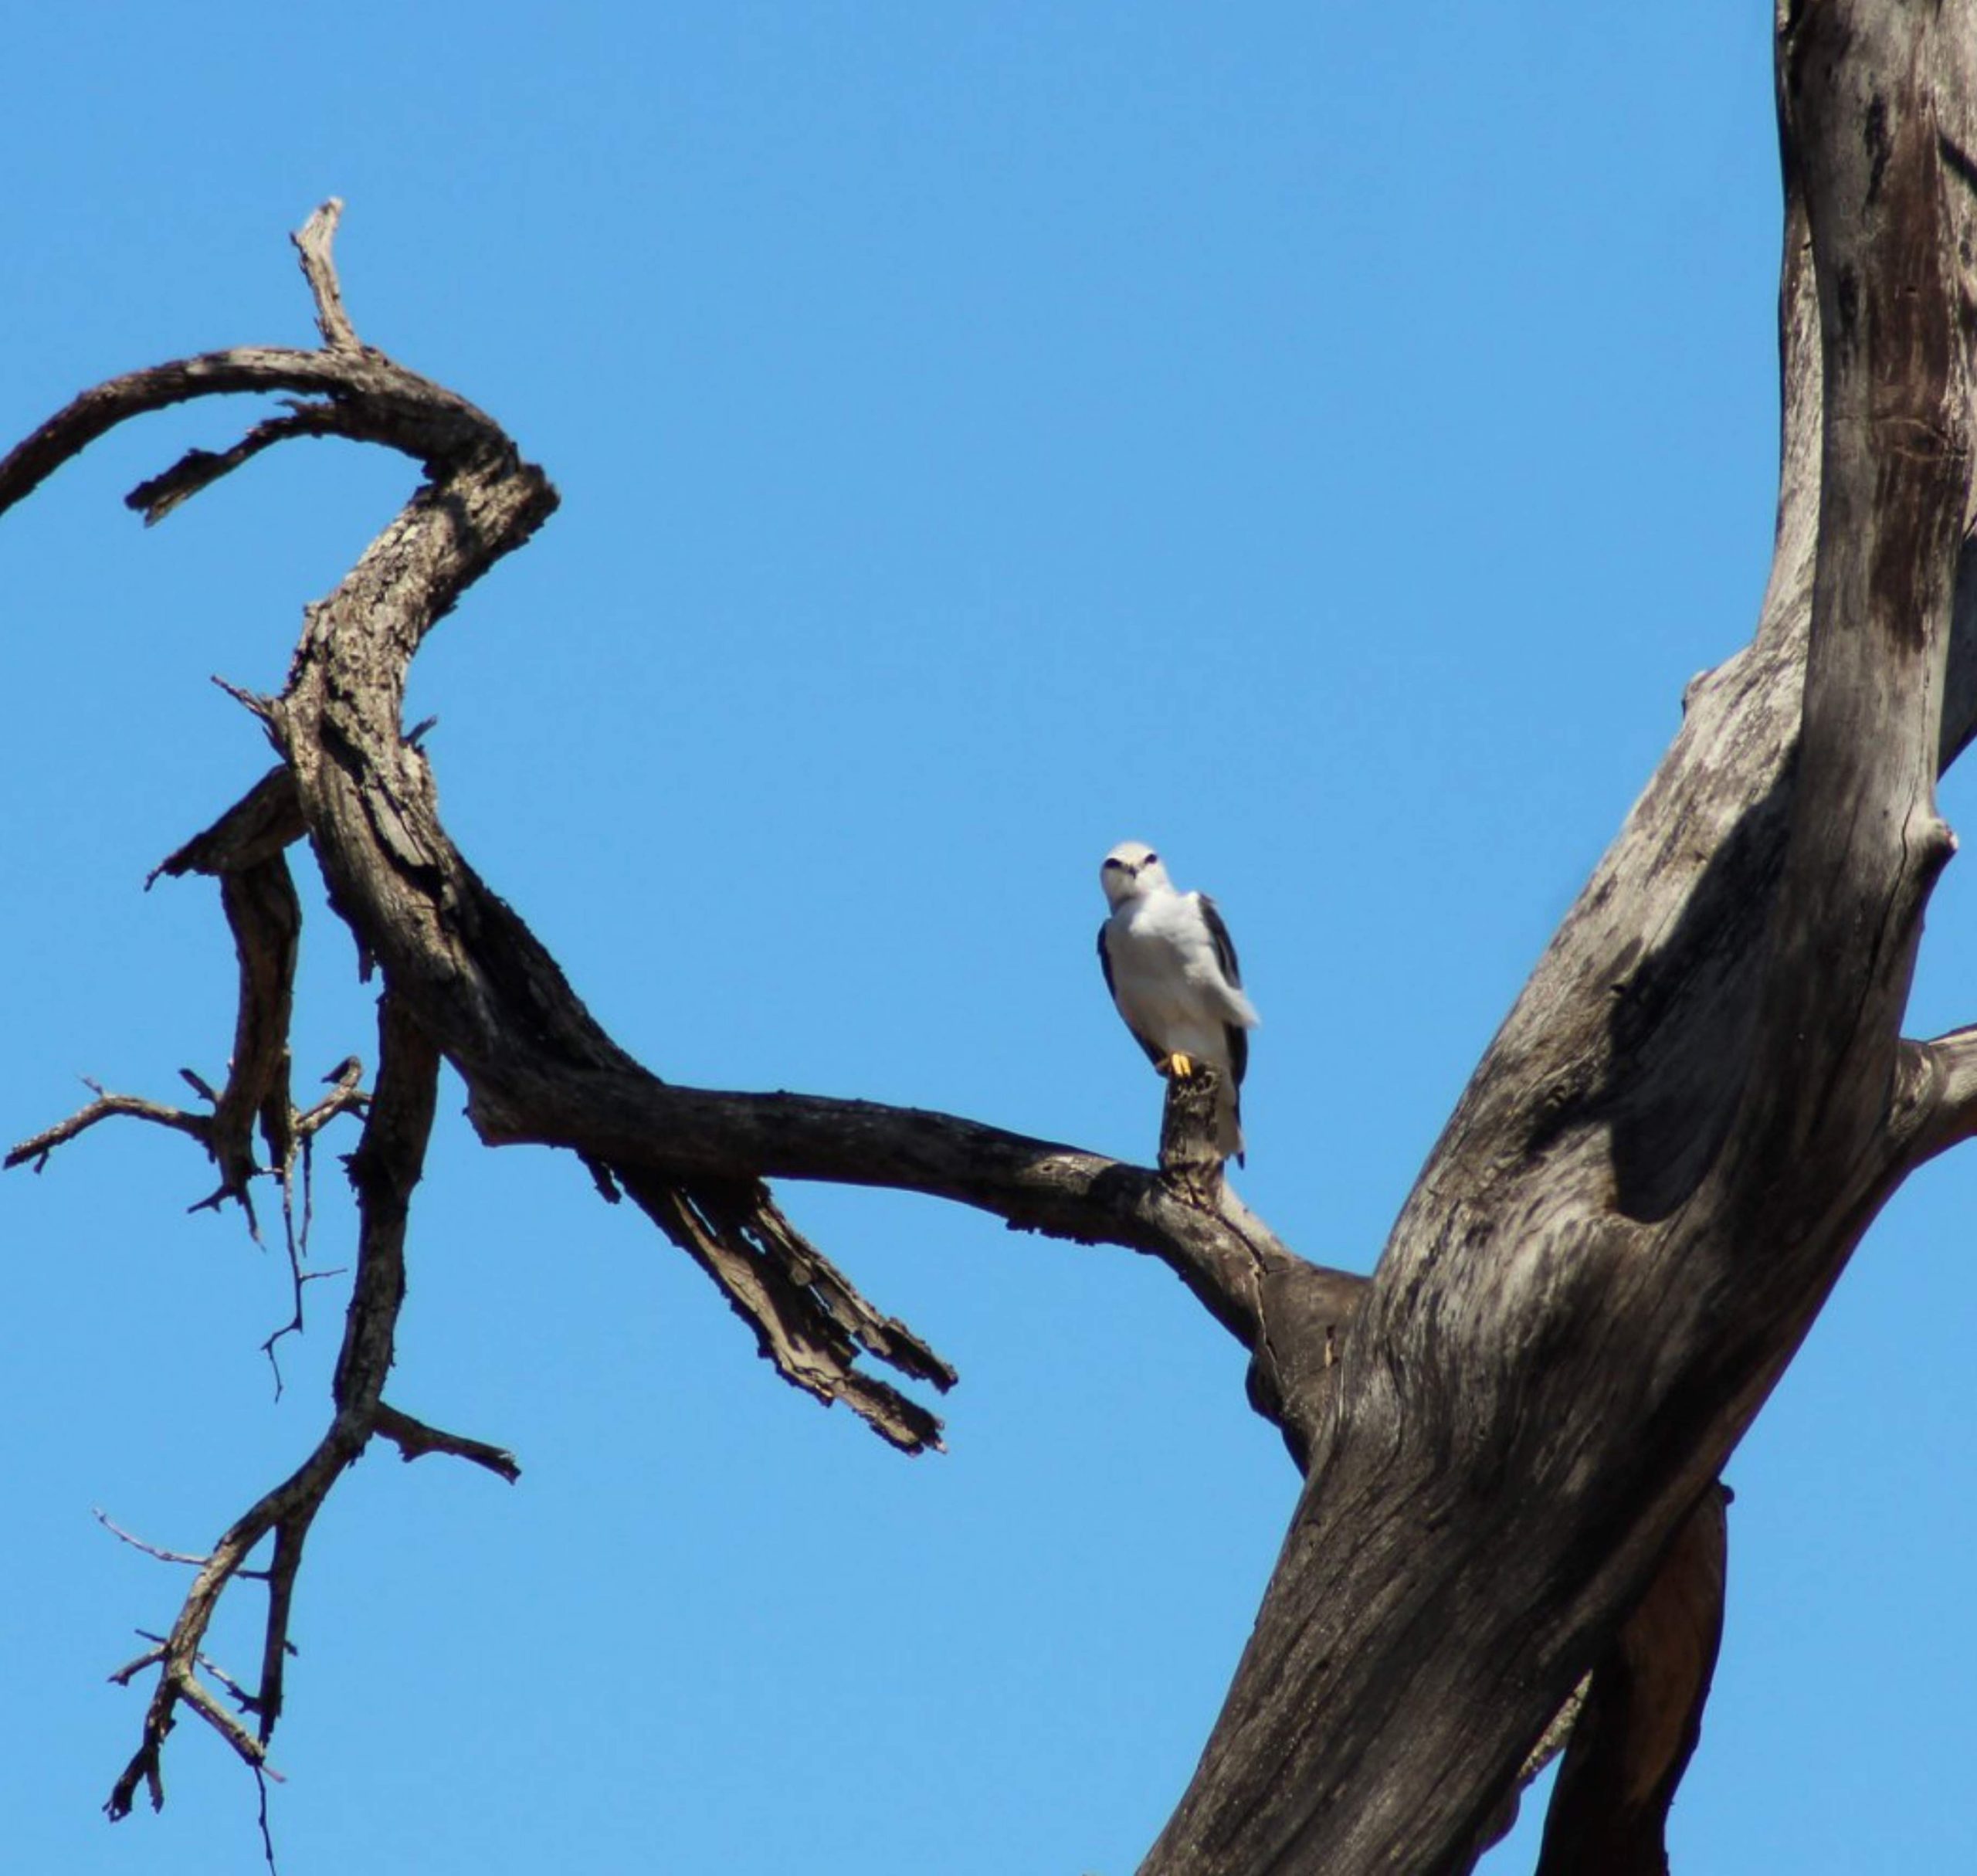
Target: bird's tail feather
1229 1122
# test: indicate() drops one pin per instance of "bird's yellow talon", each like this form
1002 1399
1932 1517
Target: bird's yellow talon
1179 1066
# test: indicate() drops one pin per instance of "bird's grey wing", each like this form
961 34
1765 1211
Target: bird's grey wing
1153 1055
1225 956
1225 946
1239 1051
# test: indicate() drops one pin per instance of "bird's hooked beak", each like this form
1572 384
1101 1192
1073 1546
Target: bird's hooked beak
1123 874
1116 876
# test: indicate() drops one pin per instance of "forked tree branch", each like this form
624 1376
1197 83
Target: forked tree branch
1946 1069
1696 1107
244 850
1699 1100
536 1065
384 1169
465 978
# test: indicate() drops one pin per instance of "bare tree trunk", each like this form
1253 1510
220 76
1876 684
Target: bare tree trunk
1701 1097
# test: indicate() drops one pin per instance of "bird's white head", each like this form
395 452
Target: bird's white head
1131 870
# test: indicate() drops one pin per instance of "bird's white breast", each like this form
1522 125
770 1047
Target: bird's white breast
1168 980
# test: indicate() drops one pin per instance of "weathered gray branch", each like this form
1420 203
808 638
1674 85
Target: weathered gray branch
1699 1101
1945 1070
36 1150
312 241
1696 1106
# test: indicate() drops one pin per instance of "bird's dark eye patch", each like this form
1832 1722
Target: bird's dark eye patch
1111 863
1151 859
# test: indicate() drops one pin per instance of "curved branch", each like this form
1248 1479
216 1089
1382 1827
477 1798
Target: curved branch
370 399
466 978
379 410
625 1115
536 1065
103 1107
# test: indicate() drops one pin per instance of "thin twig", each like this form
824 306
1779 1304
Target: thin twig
312 241
226 1680
123 1676
413 1439
385 1167
200 469
261 1777
294 1325
105 1107
252 701
196 1081
138 1543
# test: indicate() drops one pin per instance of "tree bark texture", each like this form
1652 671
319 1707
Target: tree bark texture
1510 1437
464 978
1702 1096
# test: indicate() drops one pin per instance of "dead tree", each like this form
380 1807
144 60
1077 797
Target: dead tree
1510 1435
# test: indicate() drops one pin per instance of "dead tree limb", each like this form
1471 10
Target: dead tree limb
384 1169
464 976
1698 1103
1701 1097
538 1066
1633 1737
244 850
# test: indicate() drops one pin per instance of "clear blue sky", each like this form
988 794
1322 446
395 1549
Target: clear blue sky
1321 440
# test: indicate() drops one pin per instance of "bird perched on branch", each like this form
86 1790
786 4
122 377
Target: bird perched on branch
1172 972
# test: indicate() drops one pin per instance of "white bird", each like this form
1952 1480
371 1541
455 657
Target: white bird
1172 972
